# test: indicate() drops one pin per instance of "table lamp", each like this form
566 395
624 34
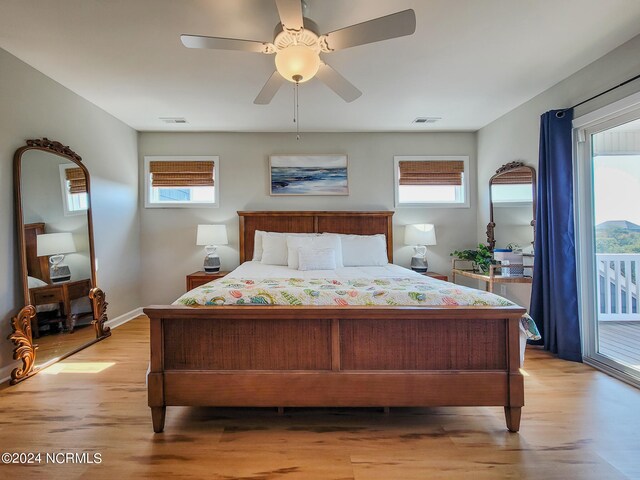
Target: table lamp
211 236
55 245
420 235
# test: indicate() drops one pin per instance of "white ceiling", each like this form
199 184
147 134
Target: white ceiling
469 62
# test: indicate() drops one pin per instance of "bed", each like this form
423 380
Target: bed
332 355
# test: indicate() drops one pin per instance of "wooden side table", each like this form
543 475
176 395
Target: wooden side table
436 275
196 279
62 294
490 278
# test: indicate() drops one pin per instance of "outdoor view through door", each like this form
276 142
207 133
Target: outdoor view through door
615 156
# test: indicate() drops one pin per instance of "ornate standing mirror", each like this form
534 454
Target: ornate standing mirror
64 310
512 206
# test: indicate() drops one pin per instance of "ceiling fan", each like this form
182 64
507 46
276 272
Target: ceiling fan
297 46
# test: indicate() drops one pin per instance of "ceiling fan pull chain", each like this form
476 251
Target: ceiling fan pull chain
297 114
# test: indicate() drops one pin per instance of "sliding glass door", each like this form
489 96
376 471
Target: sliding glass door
608 214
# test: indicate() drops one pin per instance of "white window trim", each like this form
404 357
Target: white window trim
65 192
465 181
181 158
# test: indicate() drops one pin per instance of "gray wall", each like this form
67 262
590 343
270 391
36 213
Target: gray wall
515 135
34 106
169 235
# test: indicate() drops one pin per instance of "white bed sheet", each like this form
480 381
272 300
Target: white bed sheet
258 270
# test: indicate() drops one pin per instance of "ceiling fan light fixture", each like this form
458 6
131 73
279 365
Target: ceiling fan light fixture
297 63
298 44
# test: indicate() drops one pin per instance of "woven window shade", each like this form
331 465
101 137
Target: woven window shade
76 179
431 172
181 174
514 177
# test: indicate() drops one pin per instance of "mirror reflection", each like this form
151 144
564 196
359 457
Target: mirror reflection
512 208
54 201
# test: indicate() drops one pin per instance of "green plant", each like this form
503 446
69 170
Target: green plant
482 256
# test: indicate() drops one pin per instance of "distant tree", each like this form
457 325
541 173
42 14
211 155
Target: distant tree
617 240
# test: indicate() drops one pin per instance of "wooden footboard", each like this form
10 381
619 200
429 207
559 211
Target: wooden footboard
276 356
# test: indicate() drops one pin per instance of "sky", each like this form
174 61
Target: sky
616 181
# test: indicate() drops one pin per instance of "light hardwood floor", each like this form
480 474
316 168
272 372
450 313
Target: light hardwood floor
577 424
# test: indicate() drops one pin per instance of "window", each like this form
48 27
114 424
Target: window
431 181
513 188
181 182
511 194
74 190
606 193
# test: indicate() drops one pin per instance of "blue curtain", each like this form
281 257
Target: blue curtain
554 295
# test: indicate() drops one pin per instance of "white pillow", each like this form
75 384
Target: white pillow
364 250
258 244
274 249
310 258
34 282
317 242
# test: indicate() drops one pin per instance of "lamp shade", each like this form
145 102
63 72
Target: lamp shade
212 235
297 63
420 234
55 244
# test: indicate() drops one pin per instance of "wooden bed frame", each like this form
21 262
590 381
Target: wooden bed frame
277 356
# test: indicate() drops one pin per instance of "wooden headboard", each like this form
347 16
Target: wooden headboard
357 223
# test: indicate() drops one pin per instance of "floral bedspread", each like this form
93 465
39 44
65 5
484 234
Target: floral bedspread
358 292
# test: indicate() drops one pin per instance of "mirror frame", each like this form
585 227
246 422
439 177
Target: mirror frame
25 349
508 167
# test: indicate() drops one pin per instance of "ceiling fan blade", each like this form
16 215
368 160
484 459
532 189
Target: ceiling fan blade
383 28
290 12
270 89
336 82
219 43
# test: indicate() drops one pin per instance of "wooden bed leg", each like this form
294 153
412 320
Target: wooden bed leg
512 415
157 417
280 410
387 410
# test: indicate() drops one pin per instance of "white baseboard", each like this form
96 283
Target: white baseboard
5 372
124 318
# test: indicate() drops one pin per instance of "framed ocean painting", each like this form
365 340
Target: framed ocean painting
308 175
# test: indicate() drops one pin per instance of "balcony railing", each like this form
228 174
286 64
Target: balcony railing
618 288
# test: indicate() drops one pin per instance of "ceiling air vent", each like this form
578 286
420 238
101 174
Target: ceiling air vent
427 119
174 119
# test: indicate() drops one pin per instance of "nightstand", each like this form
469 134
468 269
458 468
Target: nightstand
196 279
436 275
61 294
